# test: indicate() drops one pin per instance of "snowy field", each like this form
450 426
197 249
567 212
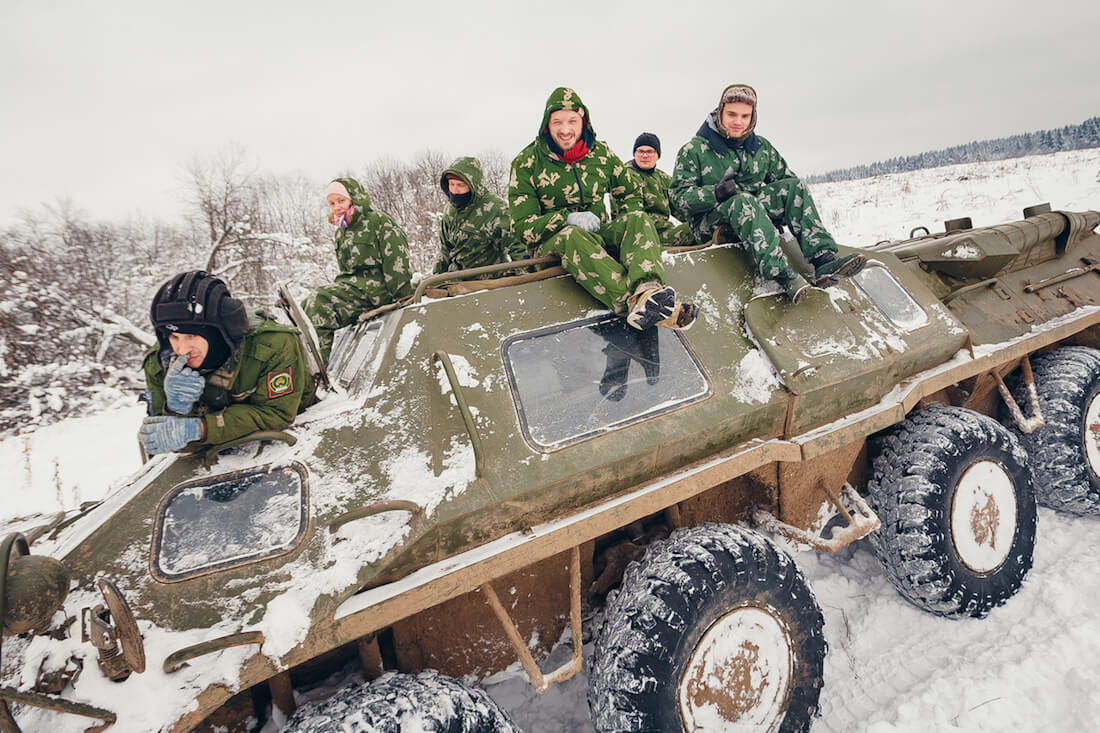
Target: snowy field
1032 665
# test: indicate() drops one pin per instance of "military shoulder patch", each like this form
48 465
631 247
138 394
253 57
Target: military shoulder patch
279 383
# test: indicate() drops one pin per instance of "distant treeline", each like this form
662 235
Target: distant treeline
1070 137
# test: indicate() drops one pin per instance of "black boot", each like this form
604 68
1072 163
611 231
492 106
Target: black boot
830 269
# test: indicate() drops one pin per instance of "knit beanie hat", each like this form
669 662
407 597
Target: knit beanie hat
648 138
337 188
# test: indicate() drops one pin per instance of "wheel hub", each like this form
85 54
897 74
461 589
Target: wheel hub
739 674
1091 438
983 516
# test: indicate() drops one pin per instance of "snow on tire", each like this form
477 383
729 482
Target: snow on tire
393 703
953 492
714 629
1064 455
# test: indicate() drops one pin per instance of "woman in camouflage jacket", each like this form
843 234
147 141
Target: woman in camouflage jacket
373 257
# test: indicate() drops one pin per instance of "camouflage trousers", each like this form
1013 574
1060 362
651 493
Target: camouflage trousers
330 307
610 263
754 218
678 235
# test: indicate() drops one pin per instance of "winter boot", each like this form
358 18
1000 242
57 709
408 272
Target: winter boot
793 284
683 315
650 303
830 269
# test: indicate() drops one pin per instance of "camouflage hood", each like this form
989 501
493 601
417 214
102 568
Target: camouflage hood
469 170
565 98
359 195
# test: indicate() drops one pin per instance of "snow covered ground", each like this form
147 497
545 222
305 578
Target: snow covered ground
1030 666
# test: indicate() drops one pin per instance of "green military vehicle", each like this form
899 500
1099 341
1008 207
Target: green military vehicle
499 456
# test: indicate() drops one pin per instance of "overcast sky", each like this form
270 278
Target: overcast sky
106 102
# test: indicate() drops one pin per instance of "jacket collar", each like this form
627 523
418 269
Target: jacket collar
722 144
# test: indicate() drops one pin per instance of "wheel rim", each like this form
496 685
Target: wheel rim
983 516
739 674
1091 438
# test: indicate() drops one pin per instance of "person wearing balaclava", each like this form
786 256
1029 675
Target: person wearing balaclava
653 183
372 254
217 373
556 196
475 230
728 177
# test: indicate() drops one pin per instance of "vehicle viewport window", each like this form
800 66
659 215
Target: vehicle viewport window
891 298
580 379
361 338
233 520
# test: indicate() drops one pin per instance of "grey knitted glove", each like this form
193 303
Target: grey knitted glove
586 220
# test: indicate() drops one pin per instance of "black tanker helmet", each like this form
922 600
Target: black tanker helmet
197 303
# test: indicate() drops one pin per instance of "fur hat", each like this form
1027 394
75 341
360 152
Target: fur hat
737 93
648 138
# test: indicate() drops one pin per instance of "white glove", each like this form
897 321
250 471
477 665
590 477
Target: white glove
586 220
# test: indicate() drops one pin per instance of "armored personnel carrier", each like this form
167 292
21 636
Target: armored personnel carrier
497 456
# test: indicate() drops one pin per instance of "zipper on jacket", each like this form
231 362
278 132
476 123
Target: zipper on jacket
580 189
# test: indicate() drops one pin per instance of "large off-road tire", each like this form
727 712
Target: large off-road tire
394 703
715 629
954 494
1064 455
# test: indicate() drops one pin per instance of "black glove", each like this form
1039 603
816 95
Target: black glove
726 187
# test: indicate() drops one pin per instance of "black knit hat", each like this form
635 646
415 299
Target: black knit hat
193 302
648 138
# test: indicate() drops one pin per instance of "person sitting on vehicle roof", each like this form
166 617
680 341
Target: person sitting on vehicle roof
475 230
556 199
654 187
373 256
728 176
217 373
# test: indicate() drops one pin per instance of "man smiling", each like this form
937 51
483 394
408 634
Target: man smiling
556 199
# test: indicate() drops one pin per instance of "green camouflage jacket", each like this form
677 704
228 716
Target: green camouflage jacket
480 234
263 386
543 189
706 158
372 252
653 185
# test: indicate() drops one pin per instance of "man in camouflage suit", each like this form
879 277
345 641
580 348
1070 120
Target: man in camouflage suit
218 373
373 256
727 175
556 200
475 230
654 184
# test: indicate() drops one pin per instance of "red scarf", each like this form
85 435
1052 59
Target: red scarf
575 153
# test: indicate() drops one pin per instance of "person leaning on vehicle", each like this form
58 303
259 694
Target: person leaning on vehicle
475 230
556 199
654 184
728 176
217 373
373 256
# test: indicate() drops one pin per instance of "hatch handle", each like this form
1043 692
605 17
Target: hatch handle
260 435
467 417
473 272
176 660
